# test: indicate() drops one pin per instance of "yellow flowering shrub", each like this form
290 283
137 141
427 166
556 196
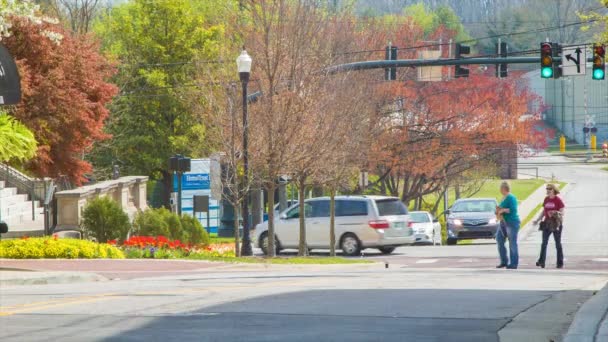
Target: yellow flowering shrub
54 248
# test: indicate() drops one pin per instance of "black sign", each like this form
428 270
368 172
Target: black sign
10 86
201 204
3 227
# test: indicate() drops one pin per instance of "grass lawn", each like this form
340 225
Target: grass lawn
521 188
213 238
285 260
570 148
605 168
531 215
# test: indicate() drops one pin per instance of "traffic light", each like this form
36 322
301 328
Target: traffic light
390 74
557 52
501 51
546 60
599 59
459 71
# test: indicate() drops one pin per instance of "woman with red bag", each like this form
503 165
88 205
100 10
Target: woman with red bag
551 222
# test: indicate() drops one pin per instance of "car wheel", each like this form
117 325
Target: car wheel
350 245
452 241
264 244
387 250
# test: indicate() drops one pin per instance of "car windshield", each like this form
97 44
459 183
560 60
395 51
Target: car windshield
420 217
472 206
391 207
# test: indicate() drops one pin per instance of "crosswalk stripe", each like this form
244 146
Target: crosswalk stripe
467 260
427 261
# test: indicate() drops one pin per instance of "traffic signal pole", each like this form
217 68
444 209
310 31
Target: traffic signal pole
382 64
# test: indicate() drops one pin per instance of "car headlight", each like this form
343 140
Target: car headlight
457 222
493 221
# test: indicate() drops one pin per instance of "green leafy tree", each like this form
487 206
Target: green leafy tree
16 140
597 22
432 19
158 45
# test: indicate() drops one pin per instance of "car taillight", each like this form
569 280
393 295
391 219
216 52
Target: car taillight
379 224
410 224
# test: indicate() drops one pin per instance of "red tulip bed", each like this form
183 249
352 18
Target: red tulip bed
160 247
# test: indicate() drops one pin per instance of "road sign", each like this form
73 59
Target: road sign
574 60
10 85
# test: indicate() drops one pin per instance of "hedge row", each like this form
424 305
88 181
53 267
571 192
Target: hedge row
53 248
104 220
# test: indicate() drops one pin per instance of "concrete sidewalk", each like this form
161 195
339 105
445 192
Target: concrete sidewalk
591 321
14 277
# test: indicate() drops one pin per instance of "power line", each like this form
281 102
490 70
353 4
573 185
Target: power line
345 53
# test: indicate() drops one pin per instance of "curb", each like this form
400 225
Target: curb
20 278
587 325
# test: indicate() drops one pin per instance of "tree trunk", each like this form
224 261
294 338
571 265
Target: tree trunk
271 248
457 190
302 247
437 202
383 187
332 222
237 249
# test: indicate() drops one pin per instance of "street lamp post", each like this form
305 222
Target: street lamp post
243 63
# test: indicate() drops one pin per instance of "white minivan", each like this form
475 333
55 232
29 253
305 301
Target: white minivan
361 222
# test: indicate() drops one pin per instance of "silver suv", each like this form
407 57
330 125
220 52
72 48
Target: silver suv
361 222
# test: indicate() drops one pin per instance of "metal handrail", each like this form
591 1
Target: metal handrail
35 188
50 220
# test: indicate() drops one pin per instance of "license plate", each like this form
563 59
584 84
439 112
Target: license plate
398 225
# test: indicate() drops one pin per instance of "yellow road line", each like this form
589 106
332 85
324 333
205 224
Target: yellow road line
58 300
29 307
37 306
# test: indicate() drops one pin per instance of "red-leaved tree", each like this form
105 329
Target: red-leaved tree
64 96
431 132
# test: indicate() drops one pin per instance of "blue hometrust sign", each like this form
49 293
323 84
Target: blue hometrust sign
193 181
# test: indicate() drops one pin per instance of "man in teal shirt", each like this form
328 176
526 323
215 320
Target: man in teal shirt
510 224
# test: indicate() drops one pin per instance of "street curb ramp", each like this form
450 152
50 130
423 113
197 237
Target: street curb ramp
590 323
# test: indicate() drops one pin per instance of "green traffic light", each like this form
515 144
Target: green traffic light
598 74
546 72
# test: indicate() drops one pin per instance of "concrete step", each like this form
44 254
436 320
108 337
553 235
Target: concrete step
16 209
10 200
24 220
7 192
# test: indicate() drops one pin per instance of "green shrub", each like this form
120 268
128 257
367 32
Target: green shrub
155 222
194 231
175 226
104 219
52 248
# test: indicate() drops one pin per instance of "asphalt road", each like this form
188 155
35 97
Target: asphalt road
448 293
355 303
